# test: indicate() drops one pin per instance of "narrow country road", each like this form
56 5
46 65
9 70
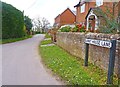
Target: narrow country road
21 64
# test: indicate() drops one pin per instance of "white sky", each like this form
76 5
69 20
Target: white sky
43 8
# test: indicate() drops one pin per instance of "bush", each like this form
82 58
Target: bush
77 28
28 24
66 29
37 32
12 22
81 28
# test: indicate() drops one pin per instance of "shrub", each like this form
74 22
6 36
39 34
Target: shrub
66 29
12 22
28 24
75 29
37 32
79 28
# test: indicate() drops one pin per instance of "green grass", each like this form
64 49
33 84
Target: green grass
47 36
3 41
44 42
70 69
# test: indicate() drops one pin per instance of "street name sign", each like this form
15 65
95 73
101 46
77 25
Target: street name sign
101 43
107 44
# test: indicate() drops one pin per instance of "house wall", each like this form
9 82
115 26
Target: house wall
67 17
109 5
80 17
119 8
57 19
77 14
97 55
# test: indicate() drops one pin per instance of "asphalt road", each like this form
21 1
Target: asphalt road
21 64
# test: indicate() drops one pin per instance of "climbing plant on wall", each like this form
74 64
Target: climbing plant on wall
109 20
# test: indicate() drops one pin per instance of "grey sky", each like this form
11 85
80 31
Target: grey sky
43 8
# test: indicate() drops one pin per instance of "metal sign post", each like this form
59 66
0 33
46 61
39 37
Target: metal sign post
108 44
111 62
86 54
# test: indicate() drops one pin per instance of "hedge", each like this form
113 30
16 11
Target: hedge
12 22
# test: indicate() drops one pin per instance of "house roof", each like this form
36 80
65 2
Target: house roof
88 13
74 12
77 5
93 9
80 3
65 11
57 16
69 10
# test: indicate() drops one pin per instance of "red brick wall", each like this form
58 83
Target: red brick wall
109 5
57 19
118 8
80 17
78 14
67 17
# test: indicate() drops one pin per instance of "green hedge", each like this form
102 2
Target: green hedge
12 22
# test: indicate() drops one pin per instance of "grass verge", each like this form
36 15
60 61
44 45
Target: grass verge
70 69
3 41
47 36
44 42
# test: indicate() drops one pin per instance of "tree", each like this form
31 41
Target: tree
45 24
28 23
41 24
37 24
12 22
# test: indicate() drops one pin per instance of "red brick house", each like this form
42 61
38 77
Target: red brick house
66 17
85 12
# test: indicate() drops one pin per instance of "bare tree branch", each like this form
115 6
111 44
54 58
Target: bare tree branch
41 24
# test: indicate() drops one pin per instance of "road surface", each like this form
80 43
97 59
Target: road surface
21 64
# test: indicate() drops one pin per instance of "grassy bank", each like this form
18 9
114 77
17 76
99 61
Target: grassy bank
3 41
47 36
70 69
46 42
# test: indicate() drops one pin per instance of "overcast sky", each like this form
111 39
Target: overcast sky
43 8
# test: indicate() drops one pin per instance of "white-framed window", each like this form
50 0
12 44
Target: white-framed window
99 2
82 8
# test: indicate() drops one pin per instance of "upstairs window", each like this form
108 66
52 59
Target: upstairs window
83 8
99 2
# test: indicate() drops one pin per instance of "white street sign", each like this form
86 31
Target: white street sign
101 43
